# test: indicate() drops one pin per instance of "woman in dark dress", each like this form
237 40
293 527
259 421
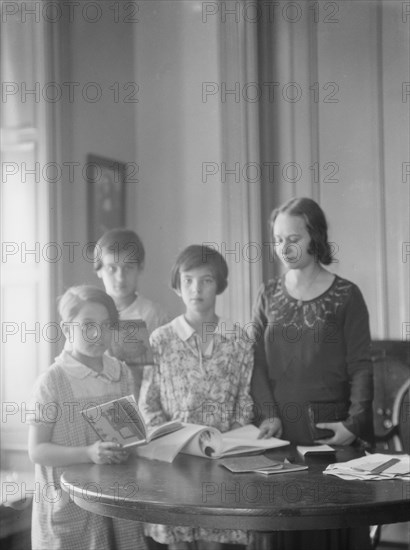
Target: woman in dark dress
312 340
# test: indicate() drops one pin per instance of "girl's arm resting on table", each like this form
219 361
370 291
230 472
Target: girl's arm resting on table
42 451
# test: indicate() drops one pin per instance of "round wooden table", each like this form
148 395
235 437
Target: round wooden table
199 492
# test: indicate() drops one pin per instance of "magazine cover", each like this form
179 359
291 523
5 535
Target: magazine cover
120 421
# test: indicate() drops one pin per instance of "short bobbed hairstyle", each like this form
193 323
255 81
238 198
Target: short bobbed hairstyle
198 255
75 298
119 240
316 225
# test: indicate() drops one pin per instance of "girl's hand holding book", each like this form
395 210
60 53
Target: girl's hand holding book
107 452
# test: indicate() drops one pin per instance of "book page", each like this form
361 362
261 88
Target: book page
167 447
164 429
208 442
213 444
245 439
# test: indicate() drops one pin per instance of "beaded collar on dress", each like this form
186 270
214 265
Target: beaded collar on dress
290 311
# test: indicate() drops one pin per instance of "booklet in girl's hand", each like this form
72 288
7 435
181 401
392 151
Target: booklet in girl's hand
121 421
209 442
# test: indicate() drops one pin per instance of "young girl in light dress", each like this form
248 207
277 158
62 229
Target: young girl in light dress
59 436
203 364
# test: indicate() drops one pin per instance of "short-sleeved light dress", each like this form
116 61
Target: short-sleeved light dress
60 394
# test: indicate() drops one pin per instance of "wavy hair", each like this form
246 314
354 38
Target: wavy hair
316 225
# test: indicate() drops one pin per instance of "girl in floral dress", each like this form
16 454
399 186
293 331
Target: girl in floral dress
83 375
202 374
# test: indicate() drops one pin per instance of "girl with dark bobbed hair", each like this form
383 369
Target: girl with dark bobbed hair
312 350
202 375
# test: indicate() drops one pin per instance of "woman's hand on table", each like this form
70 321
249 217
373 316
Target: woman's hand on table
342 436
270 427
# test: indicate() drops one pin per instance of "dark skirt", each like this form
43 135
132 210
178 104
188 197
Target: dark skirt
332 539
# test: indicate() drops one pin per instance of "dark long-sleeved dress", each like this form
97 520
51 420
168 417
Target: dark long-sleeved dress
315 351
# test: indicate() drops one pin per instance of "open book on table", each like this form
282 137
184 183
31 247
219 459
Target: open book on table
121 421
208 442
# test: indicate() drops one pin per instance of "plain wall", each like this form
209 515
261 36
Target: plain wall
99 119
171 131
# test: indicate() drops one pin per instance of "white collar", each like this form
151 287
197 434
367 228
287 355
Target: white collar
225 328
72 367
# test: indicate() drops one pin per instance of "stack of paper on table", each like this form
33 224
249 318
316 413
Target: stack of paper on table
373 467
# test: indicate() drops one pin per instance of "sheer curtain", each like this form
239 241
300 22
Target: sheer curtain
29 255
240 159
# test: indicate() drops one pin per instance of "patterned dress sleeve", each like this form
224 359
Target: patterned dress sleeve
150 394
244 405
260 385
359 367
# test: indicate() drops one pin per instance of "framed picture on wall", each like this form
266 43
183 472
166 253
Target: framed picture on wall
106 180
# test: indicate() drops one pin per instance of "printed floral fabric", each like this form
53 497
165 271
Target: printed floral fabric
210 387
